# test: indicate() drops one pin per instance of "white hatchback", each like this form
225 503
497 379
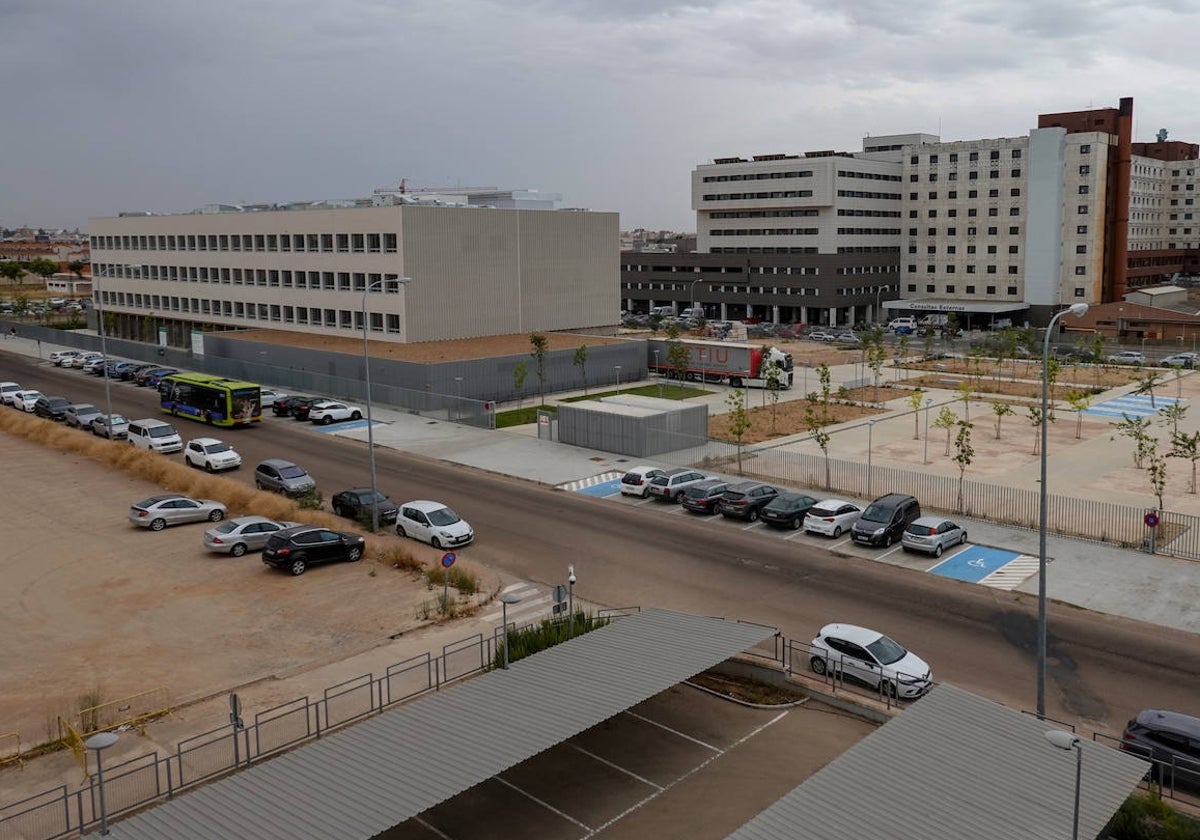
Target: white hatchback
434 523
211 454
25 400
869 657
832 517
636 482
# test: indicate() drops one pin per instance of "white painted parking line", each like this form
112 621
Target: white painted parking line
616 767
842 543
541 802
889 552
1013 574
752 526
795 534
666 728
519 611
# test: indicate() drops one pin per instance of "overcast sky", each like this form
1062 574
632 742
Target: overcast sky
166 105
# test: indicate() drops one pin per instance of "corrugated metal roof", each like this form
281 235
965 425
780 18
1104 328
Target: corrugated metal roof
368 777
953 765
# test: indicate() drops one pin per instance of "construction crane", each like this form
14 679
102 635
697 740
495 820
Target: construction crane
404 189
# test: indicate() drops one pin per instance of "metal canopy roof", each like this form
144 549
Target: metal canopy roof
953 765
370 776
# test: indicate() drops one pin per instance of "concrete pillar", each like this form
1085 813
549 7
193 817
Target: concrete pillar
775 314
833 316
724 312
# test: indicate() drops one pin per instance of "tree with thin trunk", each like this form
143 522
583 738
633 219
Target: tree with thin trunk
1000 409
1146 385
977 366
1134 428
946 419
76 267
12 270
1186 446
928 344
964 453
580 361
678 354
1157 470
876 356
1173 414
1035 420
1079 402
540 345
826 380
965 390
821 436
520 371
902 353
739 420
1053 369
914 401
774 384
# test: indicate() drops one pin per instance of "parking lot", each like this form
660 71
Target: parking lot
997 567
656 770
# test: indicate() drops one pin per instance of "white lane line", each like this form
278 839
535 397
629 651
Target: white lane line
666 728
752 525
794 534
616 767
889 552
523 608
842 543
441 834
543 803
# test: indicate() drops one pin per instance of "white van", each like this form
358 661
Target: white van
664 311
903 322
155 435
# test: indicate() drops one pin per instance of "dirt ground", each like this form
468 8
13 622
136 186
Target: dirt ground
136 610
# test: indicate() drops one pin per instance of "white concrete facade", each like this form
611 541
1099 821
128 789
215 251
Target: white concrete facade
474 272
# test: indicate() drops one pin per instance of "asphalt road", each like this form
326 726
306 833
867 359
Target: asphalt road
1102 669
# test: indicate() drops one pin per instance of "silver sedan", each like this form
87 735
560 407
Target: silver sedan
241 534
932 534
158 512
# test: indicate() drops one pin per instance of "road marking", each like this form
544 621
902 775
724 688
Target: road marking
1135 405
751 525
425 824
1012 574
666 728
541 802
616 767
889 552
974 563
591 481
842 543
794 534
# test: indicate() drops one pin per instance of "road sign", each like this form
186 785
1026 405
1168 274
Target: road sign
1151 520
560 594
448 559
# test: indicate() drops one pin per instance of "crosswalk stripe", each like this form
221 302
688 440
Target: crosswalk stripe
1012 574
592 481
515 612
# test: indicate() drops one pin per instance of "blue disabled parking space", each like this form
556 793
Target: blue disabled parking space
606 488
974 563
346 425
1133 405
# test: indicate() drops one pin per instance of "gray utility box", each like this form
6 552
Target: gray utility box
633 425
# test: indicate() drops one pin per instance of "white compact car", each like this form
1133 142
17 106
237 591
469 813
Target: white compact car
832 517
211 454
636 482
25 400
434 523
7 389
871 658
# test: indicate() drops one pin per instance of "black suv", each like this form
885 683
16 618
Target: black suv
53 407
1171 740
301 546
283 407
885 519
705 496
787 510
300 408
746 500
356 503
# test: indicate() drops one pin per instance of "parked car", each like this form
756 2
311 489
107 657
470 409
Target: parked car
1172 740
871 658
143 376
60 358
636 482
116 369
96 365
243 533
282 476
283 405
157 375
704 496
268 397
670 485
333 412
1183 360
154 435
7 390
301 546
357 503
434 523
116 428
885 519
158 512
81 415
819 335
746 500
1126 357
130 373
211 455
846 337
25 400
83 359
831 517
52 408
301 408
787 510
933 534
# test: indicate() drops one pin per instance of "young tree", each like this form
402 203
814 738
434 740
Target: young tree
1035 420
774 385
679 357
876 356
1146 385
1173 414
964 453
1000 409
520 371
1157 470
821 436
826 380
1053 369
914 401
977 366
902 353
540 344
1187 446
580 361
965 390
1079 401
1135 428
928 344
946 419
739 420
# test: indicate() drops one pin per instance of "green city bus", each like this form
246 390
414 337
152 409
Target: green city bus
210 399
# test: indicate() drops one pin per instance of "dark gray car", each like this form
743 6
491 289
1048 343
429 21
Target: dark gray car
280 476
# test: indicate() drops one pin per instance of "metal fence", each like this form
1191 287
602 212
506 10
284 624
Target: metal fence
1177 534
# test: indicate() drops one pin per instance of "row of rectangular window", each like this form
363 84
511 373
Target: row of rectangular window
972 212
952 195
762 214
953 156
952 269
970 290
971 176
339 281
346 319
765 232
757 176
315 243
752 196
1013 230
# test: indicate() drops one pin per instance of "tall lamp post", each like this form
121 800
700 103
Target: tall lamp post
571 600
402 281
97 299
1077 310
1069 741
617 368
100 742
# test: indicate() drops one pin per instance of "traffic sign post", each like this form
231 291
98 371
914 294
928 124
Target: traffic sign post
447 561
1151 520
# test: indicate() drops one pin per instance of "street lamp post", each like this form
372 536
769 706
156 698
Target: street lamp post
506 599
870 437
1069 741
403 281
928 402
100 742
571 601
458 403
617 368
1077 310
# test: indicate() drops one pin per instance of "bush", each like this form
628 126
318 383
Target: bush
464 581
1145 816
550 632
